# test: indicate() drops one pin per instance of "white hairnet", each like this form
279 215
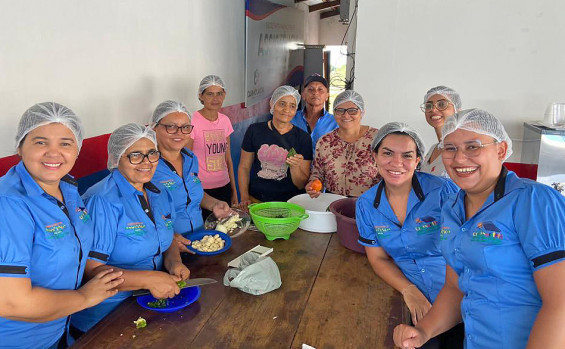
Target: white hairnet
448 93
350 96
124 137
399 127
478 121
210 80
47 113
282 91
166 108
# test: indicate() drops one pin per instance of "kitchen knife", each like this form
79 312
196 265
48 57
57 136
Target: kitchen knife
189 283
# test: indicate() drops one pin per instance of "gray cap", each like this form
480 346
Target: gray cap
282 91
399 127
210 80
350 96
47 113
448 93
124 137
478 121
167 107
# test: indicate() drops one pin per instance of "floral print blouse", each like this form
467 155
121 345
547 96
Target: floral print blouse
345 168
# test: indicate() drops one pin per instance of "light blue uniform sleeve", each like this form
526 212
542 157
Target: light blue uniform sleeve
16 238
540 222
105 218
367 235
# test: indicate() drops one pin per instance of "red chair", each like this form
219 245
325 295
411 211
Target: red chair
523 170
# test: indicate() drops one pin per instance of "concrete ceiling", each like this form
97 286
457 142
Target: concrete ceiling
326 8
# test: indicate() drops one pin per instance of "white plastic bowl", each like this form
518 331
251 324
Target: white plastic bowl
320 219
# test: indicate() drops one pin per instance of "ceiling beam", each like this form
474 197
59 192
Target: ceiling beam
328 14
324 5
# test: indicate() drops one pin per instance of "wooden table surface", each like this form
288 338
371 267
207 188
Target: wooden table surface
329 298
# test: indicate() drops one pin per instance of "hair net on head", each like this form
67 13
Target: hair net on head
47 113
392 127
166 108
124 137
282 91
448 93
210 80
350 96
478 121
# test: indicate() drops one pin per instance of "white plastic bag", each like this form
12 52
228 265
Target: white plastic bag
255 275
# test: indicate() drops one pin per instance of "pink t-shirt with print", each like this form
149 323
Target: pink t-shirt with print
210 146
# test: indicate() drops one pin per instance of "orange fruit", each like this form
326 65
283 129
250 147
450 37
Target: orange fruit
316 185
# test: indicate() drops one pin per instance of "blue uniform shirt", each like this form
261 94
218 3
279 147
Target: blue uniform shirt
414 246
43 240
519 229
326 123
187 191
133 234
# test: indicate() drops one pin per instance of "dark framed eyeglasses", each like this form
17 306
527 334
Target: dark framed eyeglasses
342 111
470 149
137 158
172 129
440 105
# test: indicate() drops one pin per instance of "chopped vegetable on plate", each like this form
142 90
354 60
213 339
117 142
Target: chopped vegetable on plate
159 303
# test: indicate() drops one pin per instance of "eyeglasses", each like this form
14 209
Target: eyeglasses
470 149
440 105
342 111
137 158
172 129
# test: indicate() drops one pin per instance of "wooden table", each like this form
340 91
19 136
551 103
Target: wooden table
329 298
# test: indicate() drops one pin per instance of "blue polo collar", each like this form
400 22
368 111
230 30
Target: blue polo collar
502 187
416 188
183 151
31 186
303 110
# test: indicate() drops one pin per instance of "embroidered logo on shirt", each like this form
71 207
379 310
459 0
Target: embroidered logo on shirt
195 179
56 231
444 233
426 225
168 221
83 214
383 231
135 229
170 184
487 233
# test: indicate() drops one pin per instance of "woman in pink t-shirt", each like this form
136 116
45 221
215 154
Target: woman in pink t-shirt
210 141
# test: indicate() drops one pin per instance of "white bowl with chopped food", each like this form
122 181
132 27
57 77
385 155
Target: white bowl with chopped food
320 219
234 224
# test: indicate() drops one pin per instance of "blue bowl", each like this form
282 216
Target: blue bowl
186 297
200 234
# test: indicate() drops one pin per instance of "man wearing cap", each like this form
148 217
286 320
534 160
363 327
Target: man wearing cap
313 118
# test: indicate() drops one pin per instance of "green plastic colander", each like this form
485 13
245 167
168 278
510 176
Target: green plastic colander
277 220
